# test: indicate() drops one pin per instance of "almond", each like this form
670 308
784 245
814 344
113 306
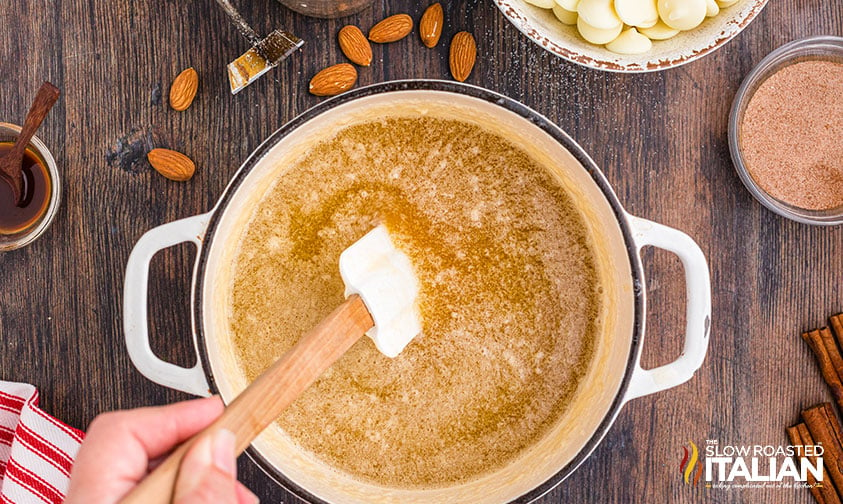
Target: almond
184 89
430 26
333 80
355 46
463 55
173 165
391 29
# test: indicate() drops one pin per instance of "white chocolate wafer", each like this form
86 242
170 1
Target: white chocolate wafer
630 42
711 8
597 35
568 5
599 14
659 31
564 15
682 14
544 4
644 13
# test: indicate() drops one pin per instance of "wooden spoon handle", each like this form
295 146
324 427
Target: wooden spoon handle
265 399
10 164
44 101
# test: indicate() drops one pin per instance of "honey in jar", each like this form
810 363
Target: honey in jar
17 217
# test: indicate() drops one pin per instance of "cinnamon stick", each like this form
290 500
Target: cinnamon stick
824 428
823 353
837 325
833 350
827 488
823 493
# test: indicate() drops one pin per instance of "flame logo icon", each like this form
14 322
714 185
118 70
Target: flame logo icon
691 460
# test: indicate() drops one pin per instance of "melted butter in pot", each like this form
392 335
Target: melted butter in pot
509 298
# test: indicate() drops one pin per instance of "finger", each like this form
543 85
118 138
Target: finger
208 472
157 430
245 496
119 446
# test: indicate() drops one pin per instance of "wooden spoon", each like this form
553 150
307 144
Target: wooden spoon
11 163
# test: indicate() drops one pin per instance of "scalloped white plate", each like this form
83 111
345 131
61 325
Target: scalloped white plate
544 29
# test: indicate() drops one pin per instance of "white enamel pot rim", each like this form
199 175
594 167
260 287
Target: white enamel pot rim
637 233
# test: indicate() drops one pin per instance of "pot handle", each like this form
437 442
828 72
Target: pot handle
698 311
135 292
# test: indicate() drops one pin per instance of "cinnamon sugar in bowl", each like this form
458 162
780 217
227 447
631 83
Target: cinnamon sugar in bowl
786 131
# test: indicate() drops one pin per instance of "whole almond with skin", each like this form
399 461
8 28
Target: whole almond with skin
391 29
173 165
184 89
463 55
333 80
430 26
355 46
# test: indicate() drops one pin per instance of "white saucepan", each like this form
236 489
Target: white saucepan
614 377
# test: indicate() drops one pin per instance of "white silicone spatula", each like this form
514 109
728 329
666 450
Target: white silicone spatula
381 291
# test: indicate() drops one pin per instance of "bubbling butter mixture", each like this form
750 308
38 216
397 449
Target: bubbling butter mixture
510 299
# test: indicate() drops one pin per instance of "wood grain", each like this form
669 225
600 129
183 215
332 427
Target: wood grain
660 139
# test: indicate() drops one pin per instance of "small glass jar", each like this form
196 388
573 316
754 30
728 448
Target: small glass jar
12 241
824 48
327 8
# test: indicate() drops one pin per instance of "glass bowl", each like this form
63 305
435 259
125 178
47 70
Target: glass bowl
826 48
326 8
9 133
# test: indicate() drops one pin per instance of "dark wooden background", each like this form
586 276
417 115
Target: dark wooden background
660 138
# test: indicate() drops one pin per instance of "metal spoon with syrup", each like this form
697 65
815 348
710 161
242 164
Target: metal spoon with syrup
11 163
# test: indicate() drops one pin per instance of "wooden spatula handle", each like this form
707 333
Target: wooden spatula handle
266 398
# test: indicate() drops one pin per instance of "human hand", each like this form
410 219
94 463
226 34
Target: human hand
122 447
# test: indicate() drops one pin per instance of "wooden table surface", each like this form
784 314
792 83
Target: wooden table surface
660 138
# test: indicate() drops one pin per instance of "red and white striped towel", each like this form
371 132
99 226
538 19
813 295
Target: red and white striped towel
36 450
